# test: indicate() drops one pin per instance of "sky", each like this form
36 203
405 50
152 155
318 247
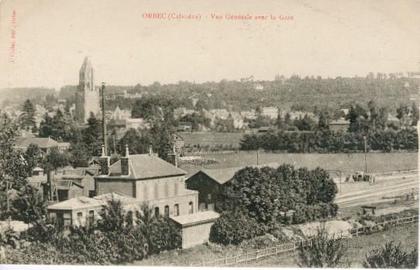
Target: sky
325 37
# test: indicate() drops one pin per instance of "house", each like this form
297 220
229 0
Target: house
137 123
251 115
184 127
182 111
82 210
78 211
136 180
209 183
270 112
45 144
153 181
119 114
220 113
339 125
74 183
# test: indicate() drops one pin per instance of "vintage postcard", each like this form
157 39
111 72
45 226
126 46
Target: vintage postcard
209 133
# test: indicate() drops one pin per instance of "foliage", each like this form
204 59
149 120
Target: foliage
55 159
233 227
27 118
29 206
79 155
92 136
256 200
266 193
197 120
391 256
323 250
332 141
33 157
60 127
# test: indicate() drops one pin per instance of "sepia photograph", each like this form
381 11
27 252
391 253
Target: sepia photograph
202 133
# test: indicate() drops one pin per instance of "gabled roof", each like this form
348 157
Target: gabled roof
76 203
98 201
224 175
41 142
146 166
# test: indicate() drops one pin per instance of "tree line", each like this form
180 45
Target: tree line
332 141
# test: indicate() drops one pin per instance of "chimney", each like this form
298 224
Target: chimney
104 162
173 157
150 150
125 167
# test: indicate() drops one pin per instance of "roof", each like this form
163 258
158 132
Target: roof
146 166
76 203
41 142
224 175
195 218
86 202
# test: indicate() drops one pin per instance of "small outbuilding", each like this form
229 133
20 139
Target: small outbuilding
195 228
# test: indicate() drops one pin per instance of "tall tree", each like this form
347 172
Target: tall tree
92 136
414 114
33 157
27 118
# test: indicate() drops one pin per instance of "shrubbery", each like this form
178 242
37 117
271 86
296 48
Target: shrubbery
233 228
391 256
115 239
257 199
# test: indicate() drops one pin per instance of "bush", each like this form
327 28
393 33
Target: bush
323 250
233 228
391 256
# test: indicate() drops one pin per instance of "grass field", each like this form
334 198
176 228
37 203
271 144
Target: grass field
347 163
357 248
212 138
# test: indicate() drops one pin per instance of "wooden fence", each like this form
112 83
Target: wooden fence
288 247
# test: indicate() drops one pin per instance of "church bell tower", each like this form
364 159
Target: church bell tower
87 95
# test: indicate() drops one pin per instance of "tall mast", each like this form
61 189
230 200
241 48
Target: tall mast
103 120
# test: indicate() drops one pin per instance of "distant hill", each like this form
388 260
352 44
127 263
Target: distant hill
68 91
9 96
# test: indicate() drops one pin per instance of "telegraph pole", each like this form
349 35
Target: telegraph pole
365 144
103 120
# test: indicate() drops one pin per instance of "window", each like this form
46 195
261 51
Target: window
209 197
176 209
156 191
156 211
190 208
166 210
176 188
166 190
91 216
145 190
79 218
66 220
